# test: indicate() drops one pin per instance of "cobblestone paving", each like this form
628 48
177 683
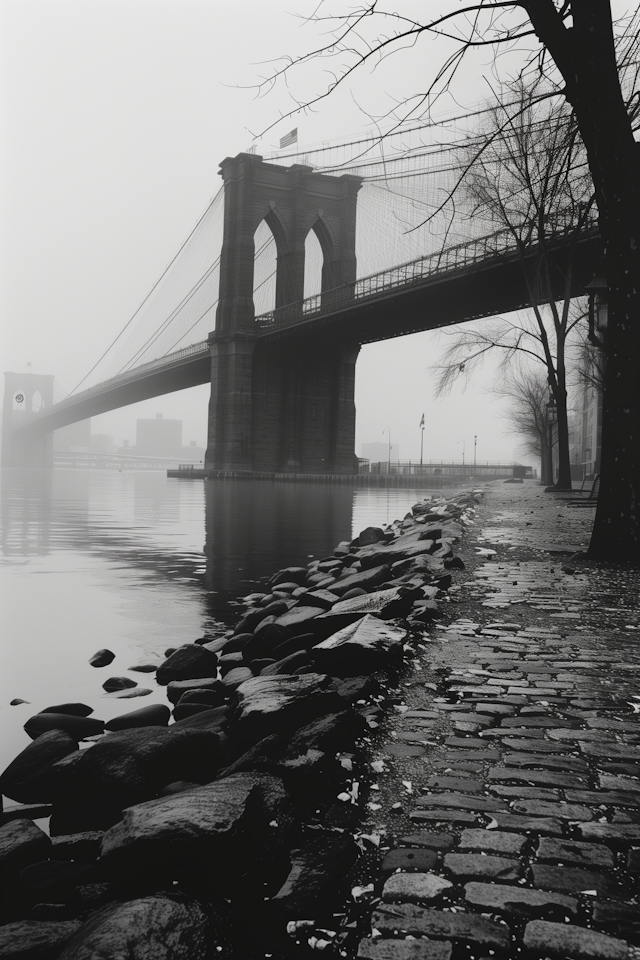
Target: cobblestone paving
507 797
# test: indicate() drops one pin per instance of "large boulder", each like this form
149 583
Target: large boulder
280 704
289 575
365 579
401 549
307 762
75 709
319 868
187 663
76 727
28 778
225 836
131 766
36 939
155 715
299 618
392 602
369 535
176 688
162 927
365 646
21 843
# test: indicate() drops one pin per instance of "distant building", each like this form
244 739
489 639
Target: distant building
159 437
379 452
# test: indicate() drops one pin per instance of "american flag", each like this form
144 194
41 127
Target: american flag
290 138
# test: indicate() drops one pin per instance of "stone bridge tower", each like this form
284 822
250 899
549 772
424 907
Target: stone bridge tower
286 405
25 394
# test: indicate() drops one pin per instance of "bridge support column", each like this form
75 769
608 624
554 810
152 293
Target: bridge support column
303 408
229 441
25 394
283 407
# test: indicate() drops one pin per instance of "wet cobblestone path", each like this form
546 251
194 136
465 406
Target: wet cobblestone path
506 788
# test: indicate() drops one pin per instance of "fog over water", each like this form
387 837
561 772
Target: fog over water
137 563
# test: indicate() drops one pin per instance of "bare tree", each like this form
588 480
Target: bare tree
532 180
526 414
572 43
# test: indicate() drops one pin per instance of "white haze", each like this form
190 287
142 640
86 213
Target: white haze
115 115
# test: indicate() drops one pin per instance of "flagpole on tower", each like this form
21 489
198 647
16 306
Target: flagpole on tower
421 439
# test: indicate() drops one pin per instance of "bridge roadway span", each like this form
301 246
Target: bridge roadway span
481 278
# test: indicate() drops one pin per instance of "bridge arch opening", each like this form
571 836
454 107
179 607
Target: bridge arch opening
37 402
265 268
314 259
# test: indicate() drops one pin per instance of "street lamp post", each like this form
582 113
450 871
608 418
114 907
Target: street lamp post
551 422
475 445
421 440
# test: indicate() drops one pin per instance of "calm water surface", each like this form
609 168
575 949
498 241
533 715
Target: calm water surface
136 562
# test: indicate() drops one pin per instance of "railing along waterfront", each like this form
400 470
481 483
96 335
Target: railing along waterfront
492 246
487 468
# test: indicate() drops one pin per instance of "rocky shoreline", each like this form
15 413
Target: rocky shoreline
233 830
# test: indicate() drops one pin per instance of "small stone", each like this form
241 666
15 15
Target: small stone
118 683
391 919
129 693
570 851
522 901
406 858
492 841
542 808
442 816
544 825
404 950
432 840
562 940
573 880
414 887
617 833
469 866
102 658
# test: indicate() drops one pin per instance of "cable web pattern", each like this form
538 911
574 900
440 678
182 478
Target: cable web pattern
408 207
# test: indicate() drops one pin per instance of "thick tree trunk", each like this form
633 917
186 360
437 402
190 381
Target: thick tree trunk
585 55
564 460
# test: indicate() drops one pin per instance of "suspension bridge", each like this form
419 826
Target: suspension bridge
282 280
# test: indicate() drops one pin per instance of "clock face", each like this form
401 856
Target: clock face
19 397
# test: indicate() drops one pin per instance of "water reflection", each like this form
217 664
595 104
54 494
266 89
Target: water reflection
25 512
255 527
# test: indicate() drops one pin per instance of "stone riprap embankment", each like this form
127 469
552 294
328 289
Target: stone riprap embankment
233 828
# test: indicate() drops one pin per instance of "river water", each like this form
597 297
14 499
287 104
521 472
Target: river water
137 562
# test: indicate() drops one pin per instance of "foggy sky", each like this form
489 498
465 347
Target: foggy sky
115 115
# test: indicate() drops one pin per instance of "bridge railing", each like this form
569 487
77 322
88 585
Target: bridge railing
500 243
